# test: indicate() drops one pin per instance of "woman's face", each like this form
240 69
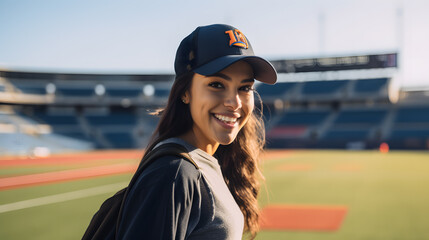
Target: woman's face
221 104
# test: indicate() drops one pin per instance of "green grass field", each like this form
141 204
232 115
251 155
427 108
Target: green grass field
386 194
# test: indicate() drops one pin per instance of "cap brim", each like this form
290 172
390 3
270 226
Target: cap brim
262 69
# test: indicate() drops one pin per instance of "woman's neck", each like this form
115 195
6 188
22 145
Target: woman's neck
209 148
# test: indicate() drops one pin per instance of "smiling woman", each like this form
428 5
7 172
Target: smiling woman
211 112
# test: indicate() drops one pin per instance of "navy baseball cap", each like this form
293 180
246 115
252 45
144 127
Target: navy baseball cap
210 49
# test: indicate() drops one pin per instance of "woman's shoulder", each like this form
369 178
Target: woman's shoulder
170 167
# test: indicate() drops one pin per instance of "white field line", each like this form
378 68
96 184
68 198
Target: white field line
63 197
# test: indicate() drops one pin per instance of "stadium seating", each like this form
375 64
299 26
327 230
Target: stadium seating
123 92
116 118
410 133
329 128
57 120
305 113
412 114
162 92
323 87
410 129
342 138
280 89
120 139
306 118
295 128
360 117
346 134
370 85
26 133
75 92
33 90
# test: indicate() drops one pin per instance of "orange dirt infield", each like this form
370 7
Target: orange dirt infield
71 158
302 217
61 176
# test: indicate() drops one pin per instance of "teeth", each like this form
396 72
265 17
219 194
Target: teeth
225 118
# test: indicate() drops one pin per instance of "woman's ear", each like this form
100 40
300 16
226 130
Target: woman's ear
185 98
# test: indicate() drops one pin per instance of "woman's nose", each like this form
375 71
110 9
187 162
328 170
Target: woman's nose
233 101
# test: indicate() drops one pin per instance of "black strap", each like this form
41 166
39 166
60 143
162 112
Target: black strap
167 149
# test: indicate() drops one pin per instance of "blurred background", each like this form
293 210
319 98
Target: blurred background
79 76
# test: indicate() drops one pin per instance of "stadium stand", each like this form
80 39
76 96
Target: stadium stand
360 117
412 115
410 128
79 112
22 134
123 92
75 91
282 89
31 89
354 114
322 87
163 93
120 139
115 118
370 85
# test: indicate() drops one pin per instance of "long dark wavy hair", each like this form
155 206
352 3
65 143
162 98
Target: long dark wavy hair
239 160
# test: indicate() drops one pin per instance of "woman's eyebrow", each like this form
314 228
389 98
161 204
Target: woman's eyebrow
221 75
226 77
248 80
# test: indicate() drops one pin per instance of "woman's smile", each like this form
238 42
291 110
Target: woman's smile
226 121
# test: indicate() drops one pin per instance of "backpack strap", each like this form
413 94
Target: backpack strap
166 149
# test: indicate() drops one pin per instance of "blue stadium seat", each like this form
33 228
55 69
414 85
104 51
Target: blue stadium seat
117 118
360 117
303 118
322 87
162 92
409 138
123 92
120 139
76 92
278 90
370 85
346 134
56 120
412 115
33 90
74 134
410 133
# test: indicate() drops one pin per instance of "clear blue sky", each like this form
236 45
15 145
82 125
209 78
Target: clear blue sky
142 36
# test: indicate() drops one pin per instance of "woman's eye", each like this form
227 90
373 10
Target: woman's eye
216 85
247 88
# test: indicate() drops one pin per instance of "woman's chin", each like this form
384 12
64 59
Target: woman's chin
226 140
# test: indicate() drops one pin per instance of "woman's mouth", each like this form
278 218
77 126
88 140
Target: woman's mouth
226 121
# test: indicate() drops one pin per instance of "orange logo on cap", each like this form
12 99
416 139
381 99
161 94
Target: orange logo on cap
237 38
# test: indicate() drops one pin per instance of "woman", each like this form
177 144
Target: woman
210 111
